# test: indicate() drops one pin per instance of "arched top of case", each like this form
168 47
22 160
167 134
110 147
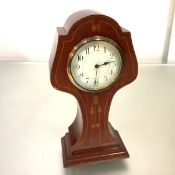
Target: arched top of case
81 25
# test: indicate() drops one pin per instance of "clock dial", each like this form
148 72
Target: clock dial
95 63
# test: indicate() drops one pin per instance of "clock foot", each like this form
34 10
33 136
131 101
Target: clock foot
93 155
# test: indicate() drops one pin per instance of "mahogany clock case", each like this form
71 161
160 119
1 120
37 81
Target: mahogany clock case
91 137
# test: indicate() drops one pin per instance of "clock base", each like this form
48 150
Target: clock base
97 154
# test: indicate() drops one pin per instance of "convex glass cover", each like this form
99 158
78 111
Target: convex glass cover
95 63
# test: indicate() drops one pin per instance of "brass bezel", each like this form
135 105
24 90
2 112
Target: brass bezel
85 41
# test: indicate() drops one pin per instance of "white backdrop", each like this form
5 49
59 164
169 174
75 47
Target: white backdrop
27 27
171 56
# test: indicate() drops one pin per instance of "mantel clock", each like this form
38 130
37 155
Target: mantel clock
92 58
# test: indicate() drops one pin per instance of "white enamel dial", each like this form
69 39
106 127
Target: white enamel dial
95 63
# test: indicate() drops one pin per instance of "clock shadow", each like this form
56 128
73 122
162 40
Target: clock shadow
106 167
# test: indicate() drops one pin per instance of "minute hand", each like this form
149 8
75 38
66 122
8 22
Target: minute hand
105 63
